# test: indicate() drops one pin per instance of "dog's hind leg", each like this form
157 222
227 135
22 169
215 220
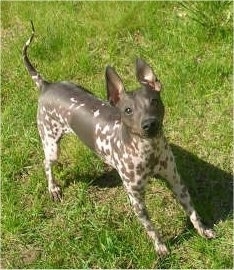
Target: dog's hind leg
50 133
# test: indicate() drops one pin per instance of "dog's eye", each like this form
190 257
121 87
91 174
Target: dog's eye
128 111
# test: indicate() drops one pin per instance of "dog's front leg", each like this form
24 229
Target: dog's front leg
136 196
168 170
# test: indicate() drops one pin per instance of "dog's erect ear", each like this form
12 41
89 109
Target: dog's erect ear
115 87
146 76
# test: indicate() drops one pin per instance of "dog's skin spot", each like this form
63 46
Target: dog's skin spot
183 195
130 166
108 152
184 189
36 78
139 169
118 144
130 175
71 106
106 129
79 106
73 100
163 163
156 161
96 113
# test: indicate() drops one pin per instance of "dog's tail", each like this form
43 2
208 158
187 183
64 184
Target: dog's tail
31 70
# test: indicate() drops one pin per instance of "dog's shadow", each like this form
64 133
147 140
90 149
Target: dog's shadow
210 187
109 178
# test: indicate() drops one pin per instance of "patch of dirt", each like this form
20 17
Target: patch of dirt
30 255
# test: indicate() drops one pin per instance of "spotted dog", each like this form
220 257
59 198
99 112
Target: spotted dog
126 132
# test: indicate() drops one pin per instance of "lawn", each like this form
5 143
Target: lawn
190 46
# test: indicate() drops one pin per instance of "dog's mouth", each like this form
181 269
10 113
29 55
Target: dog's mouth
151 133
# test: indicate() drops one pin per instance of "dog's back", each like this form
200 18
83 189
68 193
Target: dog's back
76 109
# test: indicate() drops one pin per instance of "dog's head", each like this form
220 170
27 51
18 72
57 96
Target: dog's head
142 110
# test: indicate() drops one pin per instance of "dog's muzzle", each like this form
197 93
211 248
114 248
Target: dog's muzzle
150 127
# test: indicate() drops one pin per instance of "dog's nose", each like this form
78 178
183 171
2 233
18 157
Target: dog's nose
149 124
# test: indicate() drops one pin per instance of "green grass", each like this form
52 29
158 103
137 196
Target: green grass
189 45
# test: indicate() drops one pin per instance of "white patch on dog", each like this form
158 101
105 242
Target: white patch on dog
36 78
73 100
71 106
79 106
28 42
96 113
106 129
116 125
97 127
118 144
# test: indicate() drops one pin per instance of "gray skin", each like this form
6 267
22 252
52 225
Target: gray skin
57 96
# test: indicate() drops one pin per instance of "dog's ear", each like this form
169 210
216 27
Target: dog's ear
146 76
115 87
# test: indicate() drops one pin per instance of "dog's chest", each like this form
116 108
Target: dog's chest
134 160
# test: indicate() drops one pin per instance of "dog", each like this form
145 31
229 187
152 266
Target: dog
126 132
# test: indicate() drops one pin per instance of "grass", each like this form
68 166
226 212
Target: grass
189 44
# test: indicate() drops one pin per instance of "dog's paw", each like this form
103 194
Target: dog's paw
162 250
208 233
55 192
